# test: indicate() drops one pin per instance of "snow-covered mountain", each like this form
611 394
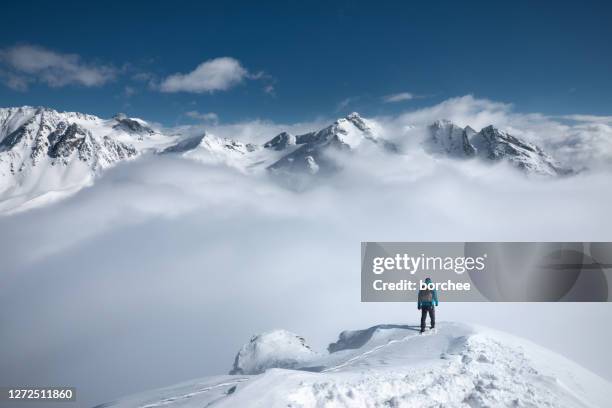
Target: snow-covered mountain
493 144
446 138
490 144
315 150
391 366
287 154
46 155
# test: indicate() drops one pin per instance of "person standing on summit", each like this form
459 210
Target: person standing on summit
426 302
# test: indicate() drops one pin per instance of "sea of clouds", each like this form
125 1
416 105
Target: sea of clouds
165 267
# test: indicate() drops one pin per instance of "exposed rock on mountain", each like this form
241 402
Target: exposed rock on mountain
490 144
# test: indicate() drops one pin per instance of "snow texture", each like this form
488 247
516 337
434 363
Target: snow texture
275 349
456 365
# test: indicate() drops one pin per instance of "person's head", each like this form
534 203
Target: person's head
427 280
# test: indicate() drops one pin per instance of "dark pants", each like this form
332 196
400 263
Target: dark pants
432 316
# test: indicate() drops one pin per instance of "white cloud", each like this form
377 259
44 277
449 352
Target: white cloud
269 89
398 97
28 63
217 74
211 117
588 118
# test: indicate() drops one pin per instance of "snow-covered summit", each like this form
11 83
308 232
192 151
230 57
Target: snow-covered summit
132 125
493 144
315 148
281 141
490 144
393 365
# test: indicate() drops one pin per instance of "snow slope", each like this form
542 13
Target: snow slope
394 366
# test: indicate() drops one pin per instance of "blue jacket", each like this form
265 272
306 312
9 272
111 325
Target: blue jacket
434 301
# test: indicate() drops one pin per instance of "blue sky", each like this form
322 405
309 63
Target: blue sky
294 61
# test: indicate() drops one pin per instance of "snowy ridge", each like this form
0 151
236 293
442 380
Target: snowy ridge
287 154
492 145
313 155
394 366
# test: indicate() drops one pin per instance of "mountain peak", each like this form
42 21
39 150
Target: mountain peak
281 141
491 130
311 156
494 144
358 121
491 144
185 145
448 139
440 123
131 125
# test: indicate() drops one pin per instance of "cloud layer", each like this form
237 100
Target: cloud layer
24 64
174 264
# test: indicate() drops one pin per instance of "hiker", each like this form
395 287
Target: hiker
426 302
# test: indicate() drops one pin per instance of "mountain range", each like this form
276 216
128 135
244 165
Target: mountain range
46 155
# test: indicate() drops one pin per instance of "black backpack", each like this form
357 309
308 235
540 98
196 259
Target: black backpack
426 296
